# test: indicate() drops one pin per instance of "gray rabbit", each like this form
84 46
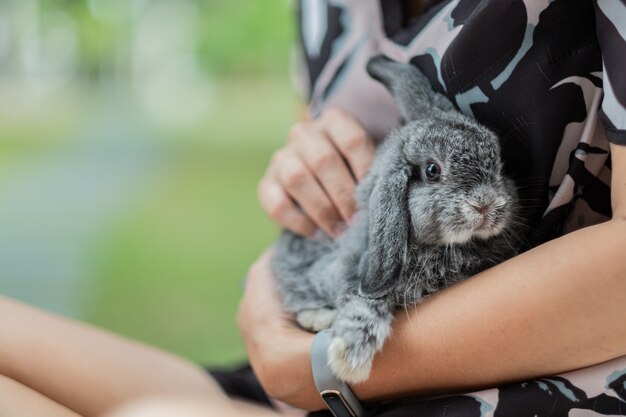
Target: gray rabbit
434 209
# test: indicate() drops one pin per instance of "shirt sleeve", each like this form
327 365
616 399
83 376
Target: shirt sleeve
611 31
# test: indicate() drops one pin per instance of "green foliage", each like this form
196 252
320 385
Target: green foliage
170 271
251 37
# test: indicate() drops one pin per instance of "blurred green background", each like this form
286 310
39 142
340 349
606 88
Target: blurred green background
132 137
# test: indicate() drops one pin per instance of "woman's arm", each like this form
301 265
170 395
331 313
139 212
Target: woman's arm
558 307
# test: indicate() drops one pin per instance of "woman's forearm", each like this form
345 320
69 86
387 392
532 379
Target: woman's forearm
558 307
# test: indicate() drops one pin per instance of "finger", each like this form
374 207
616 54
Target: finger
302 186
351 139
282 210
266 256
330 169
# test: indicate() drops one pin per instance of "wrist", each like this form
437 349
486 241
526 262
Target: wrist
337 395
285 373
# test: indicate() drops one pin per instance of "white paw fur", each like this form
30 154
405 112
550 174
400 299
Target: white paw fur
316 320
342 367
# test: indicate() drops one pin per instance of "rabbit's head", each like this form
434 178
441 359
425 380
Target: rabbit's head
456 190
438 180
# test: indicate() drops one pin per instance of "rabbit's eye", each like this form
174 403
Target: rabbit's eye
433 171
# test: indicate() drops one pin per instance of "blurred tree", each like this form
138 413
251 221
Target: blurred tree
243 38
237 38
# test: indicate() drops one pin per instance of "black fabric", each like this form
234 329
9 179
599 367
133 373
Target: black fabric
614 57
392 15
526 77
518 111
241 383
406 33
613 135
551 397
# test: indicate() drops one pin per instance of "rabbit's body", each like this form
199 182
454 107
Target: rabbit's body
419 228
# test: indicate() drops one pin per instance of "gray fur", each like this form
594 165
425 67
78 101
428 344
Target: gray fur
411 237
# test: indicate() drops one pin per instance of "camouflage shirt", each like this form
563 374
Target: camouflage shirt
548 76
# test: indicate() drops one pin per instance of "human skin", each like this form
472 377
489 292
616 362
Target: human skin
190 407
58 367
555 308
17 400
310 181
89 370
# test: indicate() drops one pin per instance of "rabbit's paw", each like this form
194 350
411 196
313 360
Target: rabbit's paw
350 361
359 331
316 320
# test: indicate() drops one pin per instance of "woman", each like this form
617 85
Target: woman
533 71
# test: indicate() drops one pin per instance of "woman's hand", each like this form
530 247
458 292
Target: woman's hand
278 349
310 182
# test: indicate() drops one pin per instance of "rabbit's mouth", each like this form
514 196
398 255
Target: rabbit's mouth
485 217
483 230
487 229
485 223
474 224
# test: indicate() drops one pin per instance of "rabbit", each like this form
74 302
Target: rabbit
434 209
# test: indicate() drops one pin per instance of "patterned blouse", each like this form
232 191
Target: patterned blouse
548 76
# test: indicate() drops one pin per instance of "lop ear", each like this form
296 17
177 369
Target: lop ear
388 234
409 87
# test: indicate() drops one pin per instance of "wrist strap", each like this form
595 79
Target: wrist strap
337 394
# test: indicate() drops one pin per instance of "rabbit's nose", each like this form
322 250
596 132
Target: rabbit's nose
481 208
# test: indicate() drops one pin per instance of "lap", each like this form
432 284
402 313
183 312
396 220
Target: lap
86 369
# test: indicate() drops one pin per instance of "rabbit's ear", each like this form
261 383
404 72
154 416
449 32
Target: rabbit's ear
388 234
409 87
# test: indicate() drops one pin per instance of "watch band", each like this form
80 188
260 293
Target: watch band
336 394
